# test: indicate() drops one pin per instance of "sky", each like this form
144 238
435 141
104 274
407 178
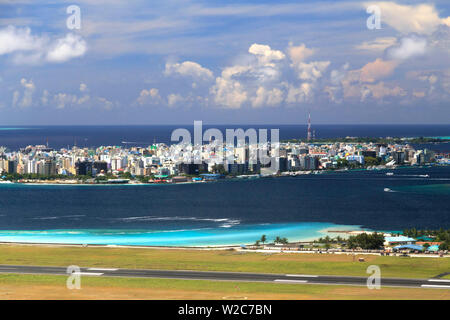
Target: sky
224 62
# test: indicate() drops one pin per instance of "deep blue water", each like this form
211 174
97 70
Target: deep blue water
233 208
94 136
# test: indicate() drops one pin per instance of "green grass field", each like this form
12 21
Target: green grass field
219 260
54 287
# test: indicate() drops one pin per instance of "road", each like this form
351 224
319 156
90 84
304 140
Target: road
228 276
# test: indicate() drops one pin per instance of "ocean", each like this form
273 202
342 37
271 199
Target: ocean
226 212
95 136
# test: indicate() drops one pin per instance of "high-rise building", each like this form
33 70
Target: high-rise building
83 168
49 168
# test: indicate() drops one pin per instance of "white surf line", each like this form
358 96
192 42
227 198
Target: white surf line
87 274
301 275
290 281
438 280
102 269
434 286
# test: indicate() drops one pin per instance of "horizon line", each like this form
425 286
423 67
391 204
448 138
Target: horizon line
222 124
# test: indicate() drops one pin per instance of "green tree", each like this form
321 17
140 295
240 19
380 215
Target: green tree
263 238
366 241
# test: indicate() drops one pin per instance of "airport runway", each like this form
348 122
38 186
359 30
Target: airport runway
228 276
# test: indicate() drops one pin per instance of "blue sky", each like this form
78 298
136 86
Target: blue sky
224 62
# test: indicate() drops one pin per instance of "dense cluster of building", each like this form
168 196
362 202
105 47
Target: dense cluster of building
177 159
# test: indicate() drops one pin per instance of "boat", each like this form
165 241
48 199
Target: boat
387 190
389 173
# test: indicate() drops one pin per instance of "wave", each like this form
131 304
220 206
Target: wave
226 222
59 217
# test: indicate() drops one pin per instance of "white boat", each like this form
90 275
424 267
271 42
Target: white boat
389 173
5 182
387 190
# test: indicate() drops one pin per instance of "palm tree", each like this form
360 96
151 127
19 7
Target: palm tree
263 238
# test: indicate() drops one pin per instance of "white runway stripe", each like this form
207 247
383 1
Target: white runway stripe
87 274
435 286
438 280
290 281
301 275
102 269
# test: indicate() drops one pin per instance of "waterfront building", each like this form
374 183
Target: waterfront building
83 168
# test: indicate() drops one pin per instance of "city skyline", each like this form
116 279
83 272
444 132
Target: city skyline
224 63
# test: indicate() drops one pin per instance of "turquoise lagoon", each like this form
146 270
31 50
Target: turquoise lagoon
235 235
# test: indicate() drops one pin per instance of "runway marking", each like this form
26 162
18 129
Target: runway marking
290 281
434 286
438 280
301 275
87 274
102 269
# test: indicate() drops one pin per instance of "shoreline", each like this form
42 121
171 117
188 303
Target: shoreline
332 231
250 177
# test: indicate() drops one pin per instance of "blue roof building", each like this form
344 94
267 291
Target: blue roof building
409 246
399 240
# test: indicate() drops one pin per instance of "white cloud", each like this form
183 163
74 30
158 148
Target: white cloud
228 93
44 98
299 54
83 87
378 44
16 97
13 39
27 94
72 46
311 71
379 91
337 75
408 47
105 103
306 71
188 68
150 96
249 78
300 94
265 55
26 48
173 99
265 97
376 70
61 100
